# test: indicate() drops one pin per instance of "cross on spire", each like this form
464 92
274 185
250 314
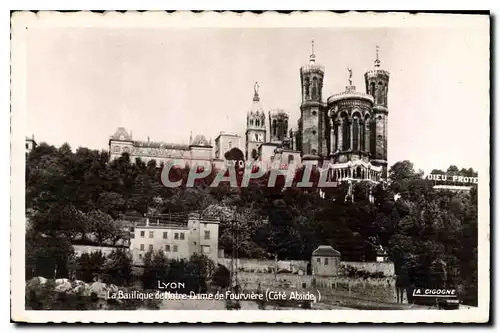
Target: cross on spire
377 61
312 56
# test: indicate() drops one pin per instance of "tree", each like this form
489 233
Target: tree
118 267
103 227
90 266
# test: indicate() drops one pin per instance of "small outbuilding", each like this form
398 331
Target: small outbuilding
325 261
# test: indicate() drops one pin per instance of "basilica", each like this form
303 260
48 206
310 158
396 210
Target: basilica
345 134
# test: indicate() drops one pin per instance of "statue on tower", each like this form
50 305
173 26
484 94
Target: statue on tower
350 76
256 92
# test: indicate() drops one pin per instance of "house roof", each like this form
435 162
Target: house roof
325 251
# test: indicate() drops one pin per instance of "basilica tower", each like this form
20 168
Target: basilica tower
256 127
377 85
278 125
312 122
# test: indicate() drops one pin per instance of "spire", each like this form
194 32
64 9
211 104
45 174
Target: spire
256 92
377 61
312 57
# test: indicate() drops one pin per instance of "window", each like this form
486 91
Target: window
117 149
207 234
290 159
306 86
175 248
142 233
304 285
314 112
176 235
206 249
346 138
142 247
314 91
362 136
140 255
355 132
182 235
318 260
167 248
27 146
230 145
257 123
132 235
165 235
326 261
151 234
150 247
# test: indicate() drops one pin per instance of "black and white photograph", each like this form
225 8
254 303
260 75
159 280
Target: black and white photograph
290 164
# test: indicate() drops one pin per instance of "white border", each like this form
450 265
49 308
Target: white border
269 19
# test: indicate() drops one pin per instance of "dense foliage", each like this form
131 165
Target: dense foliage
430 235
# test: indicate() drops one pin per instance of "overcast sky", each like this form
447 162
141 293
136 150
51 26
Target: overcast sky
83 83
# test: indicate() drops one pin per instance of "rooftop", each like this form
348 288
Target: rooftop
326 251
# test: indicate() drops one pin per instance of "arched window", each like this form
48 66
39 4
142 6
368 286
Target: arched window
373 128
355 133
346 137
315 88
362 137
251 122
257 122
372 89
306 87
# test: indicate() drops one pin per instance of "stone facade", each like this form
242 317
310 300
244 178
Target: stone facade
30 144
198 152
347 133
256 128
349 126
325 261
224 142
177 240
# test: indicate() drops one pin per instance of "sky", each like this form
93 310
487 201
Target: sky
163 83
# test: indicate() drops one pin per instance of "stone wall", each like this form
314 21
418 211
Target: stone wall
294 266
261 266
380 289
80 249
385 267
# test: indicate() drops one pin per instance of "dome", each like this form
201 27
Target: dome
312 66
200 140
278 113
122 134
350 93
